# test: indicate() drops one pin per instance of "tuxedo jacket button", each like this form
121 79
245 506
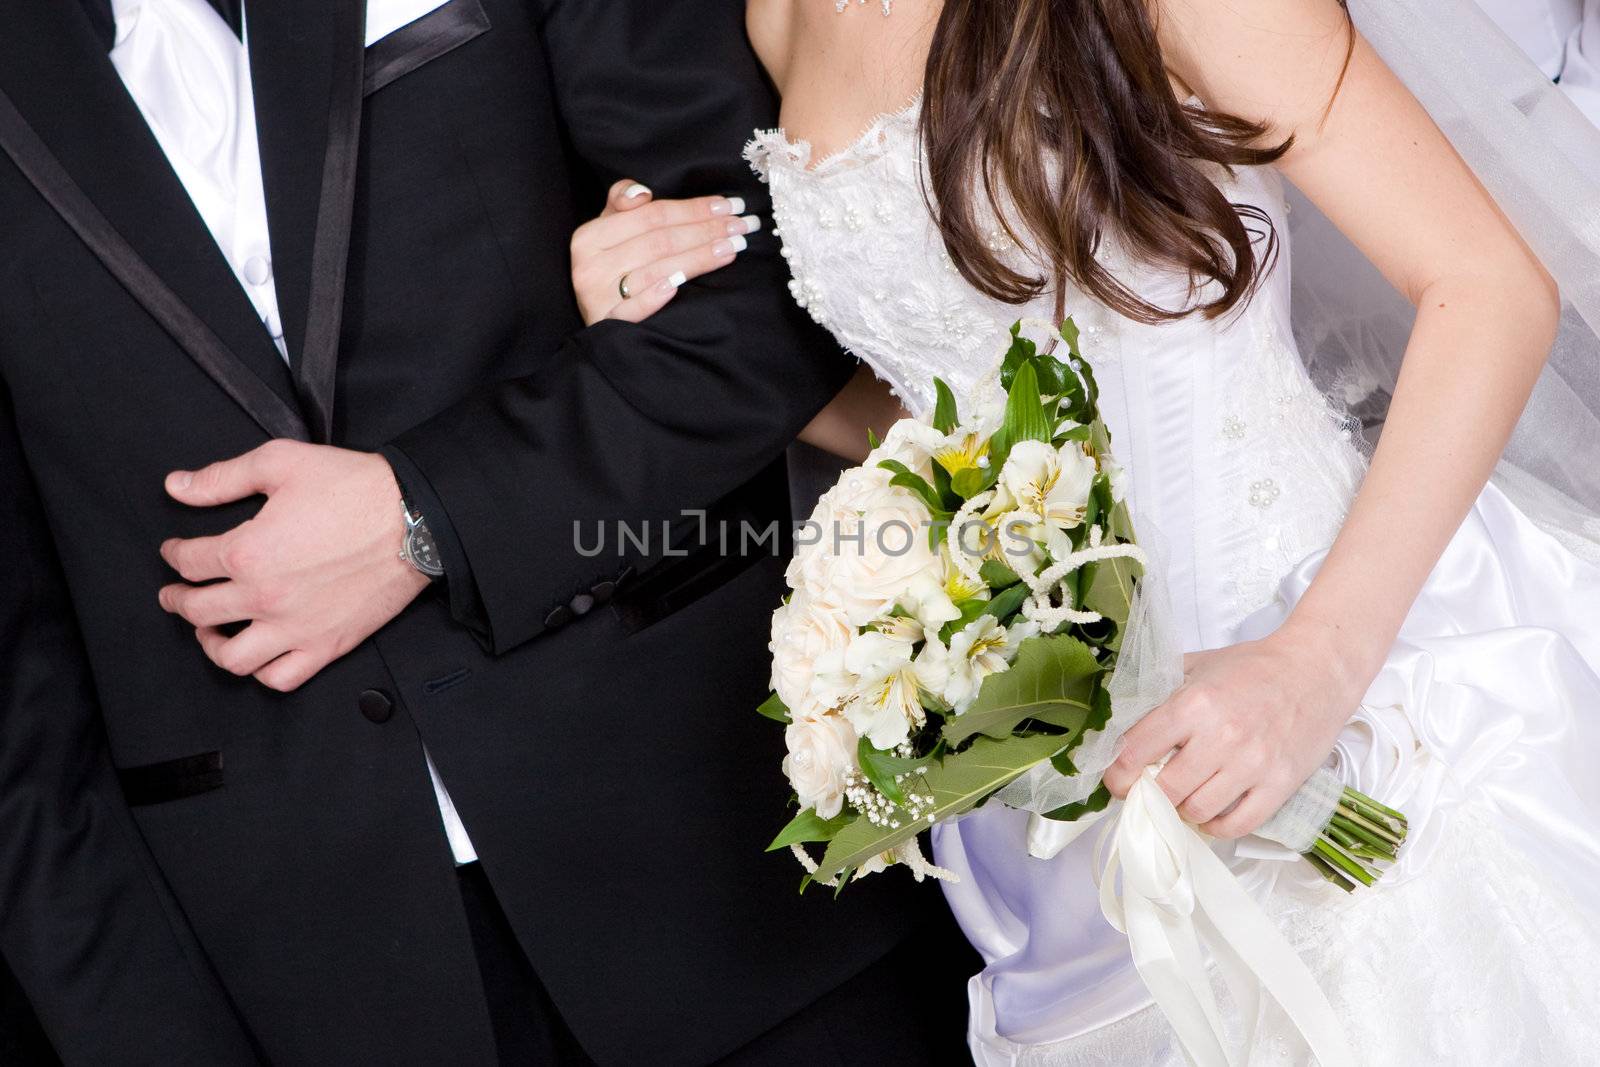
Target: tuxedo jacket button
376 705
582 604
558 618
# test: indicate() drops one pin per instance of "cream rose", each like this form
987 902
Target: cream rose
872 543
806 632
822 753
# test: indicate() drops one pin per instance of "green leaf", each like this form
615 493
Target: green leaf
971 481
1021 351
1070 334
1052 679
970 610
872 438
1025 417
880 769
1094 802
997 575
945 419
809 826
906 478
1108 588
1005 603
774 709
941 485
957 785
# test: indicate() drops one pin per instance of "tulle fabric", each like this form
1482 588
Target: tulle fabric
1540 158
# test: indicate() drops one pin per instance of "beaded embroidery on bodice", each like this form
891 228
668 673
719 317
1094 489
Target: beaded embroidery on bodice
1233 454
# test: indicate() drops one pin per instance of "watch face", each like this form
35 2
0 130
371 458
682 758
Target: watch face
423 552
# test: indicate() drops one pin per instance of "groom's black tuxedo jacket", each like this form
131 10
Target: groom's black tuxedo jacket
194 869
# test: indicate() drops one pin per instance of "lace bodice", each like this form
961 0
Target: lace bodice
1235 458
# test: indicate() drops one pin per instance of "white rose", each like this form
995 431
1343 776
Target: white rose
822 753
871 541
806 632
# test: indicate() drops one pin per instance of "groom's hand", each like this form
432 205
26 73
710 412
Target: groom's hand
314 573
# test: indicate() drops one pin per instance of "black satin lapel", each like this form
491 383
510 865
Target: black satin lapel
306 62
441 30
77 134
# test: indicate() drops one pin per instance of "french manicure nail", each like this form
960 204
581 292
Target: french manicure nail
634 191
676 279
730 247
730 205
752 223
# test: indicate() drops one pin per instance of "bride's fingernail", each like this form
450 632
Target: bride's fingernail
634 191
673 281
730 205
732 246
752 223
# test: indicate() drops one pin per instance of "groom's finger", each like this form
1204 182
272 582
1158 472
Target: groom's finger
206 605
290 671
243 654
196 559
260 470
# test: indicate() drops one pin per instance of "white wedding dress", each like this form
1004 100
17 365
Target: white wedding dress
1482 946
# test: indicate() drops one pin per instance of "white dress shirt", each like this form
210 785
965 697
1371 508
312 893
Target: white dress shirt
190 77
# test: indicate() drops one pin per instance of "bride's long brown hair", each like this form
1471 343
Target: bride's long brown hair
1062 115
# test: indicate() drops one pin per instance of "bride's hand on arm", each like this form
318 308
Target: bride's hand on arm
660 244
657 245
1255 719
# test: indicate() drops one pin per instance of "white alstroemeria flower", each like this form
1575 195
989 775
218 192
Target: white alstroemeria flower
808 633
822 754
910 442
983 647
1049 483
886 702
1118 476
933 598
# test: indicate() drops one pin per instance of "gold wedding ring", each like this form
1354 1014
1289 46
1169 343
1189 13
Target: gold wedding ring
622 287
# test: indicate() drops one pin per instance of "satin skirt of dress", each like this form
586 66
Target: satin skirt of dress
1481 946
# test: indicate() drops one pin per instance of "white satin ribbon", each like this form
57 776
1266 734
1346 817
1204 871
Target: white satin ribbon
1176 895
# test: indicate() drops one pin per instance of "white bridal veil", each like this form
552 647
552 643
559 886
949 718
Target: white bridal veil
1539 157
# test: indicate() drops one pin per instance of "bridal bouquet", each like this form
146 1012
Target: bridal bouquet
958 610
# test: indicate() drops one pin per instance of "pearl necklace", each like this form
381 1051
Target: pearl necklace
840 5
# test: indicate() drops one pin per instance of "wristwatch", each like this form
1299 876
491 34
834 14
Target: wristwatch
419 548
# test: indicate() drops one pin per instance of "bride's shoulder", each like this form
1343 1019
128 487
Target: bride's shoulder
1265 59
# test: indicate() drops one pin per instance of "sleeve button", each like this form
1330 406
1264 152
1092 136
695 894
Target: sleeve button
558 617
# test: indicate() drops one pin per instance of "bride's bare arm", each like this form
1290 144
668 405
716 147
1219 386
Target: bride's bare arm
1254 720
